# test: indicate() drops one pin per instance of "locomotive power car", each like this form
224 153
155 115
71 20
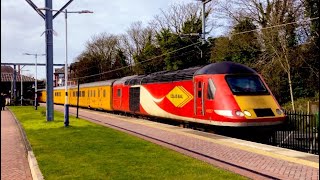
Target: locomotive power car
220 94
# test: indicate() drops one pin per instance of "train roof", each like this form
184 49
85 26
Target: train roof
91 84
225 67
98 83
163 76
124 79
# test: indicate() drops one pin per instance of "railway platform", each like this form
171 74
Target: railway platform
253 160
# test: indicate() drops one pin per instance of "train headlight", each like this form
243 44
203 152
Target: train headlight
247 113
239 113
279 111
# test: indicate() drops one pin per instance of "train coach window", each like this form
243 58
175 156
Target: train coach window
199 84
94 93
98 92
104 93
211 89
199 94
119 92
83 93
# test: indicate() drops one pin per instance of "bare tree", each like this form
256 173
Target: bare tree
177 14
135 39
276 19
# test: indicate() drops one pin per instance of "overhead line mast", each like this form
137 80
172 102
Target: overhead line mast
49 51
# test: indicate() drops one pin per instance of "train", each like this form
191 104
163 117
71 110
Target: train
225 94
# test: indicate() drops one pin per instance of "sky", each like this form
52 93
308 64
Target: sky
22 28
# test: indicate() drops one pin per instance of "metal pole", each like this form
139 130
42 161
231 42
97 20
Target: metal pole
203 22
14 84
49 64
21 93
35 86
78 99
66 103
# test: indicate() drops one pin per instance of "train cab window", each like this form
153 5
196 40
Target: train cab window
119 92
246 85
211 89
104 93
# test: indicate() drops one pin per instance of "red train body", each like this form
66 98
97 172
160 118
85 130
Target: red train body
220 94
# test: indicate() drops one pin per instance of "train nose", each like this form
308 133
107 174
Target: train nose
259 106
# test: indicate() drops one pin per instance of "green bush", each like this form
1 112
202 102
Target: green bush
300 104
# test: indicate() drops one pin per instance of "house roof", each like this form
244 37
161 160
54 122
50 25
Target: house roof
8 77
6 69
59 70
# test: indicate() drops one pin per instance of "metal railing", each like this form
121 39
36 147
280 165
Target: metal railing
299 132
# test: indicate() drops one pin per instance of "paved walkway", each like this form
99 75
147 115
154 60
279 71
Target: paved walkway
14 163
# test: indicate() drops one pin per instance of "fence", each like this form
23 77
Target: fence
299 132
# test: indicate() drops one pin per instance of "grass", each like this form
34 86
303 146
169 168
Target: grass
86 150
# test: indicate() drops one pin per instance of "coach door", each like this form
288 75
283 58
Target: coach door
199 97
134 99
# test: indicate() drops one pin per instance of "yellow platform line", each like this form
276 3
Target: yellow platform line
218 141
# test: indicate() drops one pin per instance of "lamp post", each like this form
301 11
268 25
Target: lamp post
204 2
66 103
35 80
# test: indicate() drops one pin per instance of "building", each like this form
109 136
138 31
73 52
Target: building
59 77
7 84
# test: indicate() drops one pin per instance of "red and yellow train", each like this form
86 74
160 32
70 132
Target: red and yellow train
220 94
